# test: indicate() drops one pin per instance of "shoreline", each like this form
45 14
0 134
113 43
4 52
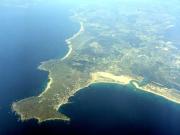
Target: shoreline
69 43
157 93
96 77
103 78
48 86
96 81
119 80
41 67
23 119
122 80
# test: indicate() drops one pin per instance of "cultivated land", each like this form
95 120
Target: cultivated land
113 45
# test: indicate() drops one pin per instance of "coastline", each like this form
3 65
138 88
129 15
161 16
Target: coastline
23 118
48 86
125 80
166 91
97 77
105 77
69 43
41 67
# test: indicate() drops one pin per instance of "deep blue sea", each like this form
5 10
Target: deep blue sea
31 35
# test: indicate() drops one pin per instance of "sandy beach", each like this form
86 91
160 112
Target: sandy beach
162 92
48 86
69 41
100 76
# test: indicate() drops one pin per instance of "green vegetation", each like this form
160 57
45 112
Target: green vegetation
115 45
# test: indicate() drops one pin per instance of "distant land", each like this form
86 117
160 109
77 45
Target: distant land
113 45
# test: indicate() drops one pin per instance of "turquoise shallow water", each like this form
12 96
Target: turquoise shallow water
29 36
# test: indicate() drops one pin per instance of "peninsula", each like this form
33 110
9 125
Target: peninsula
127 48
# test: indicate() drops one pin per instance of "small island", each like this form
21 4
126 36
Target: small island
127 48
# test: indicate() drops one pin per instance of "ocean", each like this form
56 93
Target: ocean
31 35
28 36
